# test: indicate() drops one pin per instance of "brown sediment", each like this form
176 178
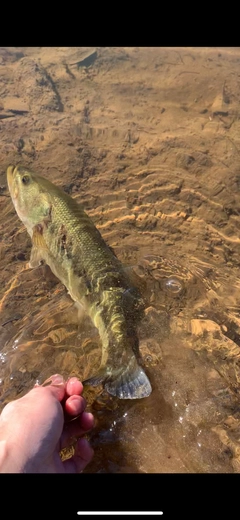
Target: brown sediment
151 150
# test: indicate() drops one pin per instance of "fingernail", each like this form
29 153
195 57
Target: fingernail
72 380
55 380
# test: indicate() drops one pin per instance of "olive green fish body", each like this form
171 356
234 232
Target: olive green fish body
67 240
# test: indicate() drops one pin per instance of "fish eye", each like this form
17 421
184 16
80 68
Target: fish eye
25 179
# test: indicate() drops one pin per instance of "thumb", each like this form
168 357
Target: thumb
56 385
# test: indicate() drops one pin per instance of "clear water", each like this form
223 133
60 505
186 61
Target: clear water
163 188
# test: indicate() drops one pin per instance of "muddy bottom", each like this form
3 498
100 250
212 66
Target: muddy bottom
148 141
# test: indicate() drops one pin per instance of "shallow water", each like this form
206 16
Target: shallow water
147 140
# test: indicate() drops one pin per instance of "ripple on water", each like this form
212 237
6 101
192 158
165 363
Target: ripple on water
184 344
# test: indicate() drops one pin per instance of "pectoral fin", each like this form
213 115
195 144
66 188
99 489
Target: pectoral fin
36 257
39 248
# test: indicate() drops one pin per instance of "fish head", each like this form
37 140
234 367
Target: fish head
31 199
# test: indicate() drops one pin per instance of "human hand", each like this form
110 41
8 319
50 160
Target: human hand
34 428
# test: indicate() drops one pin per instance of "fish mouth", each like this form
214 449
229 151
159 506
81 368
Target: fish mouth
10 175
12 186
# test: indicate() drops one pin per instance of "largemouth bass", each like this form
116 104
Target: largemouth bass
65 238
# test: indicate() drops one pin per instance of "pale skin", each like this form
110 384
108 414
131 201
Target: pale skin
34 428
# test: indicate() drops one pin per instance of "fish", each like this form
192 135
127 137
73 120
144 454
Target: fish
66 239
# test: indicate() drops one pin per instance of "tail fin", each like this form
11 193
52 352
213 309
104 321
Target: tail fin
129 383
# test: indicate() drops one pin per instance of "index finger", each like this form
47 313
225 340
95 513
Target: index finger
74 386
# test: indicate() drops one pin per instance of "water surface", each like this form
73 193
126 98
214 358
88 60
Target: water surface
148 141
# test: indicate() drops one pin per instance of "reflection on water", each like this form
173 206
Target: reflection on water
148 141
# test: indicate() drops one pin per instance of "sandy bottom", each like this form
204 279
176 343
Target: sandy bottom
149 141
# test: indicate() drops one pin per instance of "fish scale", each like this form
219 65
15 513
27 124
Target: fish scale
65 237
